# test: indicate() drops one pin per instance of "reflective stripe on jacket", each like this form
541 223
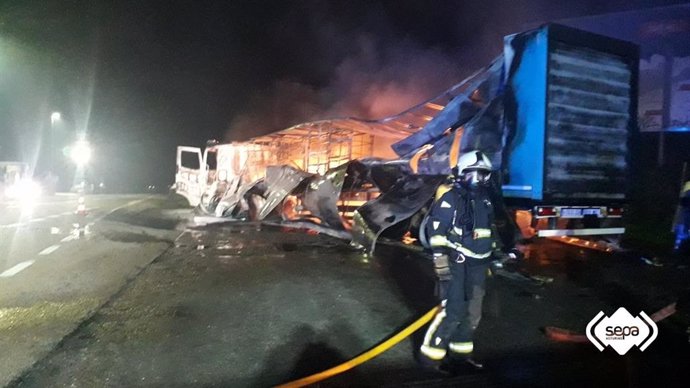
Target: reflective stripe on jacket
464 218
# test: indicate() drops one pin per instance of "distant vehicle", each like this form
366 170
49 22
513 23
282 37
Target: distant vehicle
83 187
16 182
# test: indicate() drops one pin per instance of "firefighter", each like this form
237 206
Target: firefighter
462 239
683 220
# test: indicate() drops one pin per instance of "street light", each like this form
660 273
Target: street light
54 117
80 153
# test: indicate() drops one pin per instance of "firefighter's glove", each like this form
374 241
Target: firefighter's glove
499 256
441 267
503 257
515 254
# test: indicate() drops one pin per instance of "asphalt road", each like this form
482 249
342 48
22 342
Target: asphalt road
250 305
58 267
28 231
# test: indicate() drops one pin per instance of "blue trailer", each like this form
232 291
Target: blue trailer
574 113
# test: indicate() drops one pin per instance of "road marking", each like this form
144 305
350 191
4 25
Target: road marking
49 250
181 234
69 238
130 203
16 269
40 219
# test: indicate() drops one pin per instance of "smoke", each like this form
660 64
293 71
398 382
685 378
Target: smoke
285 104
377 78
381 81
374 59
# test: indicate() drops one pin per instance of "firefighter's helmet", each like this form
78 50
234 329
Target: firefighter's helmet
473 167
473 160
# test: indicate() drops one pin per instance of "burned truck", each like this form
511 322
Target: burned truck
250 179
555 112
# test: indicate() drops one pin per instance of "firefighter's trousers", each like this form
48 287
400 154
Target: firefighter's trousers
450 333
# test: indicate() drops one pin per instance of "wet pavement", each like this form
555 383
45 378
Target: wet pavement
57 268
248 305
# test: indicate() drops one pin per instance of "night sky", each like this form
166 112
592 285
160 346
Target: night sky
141 77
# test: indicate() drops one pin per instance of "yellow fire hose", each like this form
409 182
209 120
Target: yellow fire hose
366 356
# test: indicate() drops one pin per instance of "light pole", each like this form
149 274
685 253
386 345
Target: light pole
54 118
80 153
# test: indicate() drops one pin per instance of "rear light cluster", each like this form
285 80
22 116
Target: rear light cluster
577 212
547 211
615 211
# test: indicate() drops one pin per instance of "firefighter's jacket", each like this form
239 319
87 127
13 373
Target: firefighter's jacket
461 220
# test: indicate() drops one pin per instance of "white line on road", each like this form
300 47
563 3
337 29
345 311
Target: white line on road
16 269
41 219
49 250
180 236
69 238
130 203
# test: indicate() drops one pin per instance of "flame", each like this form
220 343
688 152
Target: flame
407 239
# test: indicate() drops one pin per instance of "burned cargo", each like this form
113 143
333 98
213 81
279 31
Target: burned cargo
554 112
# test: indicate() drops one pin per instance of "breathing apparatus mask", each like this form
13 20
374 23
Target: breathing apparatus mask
473 170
